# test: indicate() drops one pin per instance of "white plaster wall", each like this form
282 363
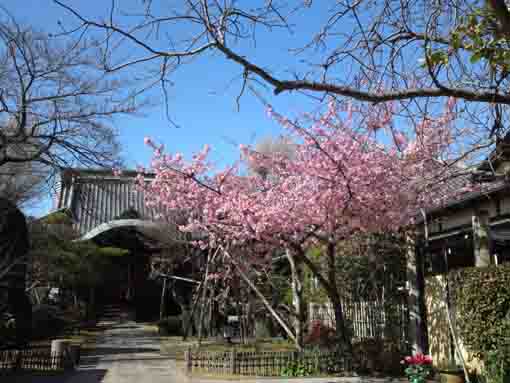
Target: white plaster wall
464 216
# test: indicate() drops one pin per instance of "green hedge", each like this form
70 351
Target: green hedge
482 301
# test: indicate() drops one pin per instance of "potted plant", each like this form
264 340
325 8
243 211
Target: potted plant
419 368
451 373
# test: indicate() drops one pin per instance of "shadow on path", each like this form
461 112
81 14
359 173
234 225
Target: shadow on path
85 376
105 351
124 352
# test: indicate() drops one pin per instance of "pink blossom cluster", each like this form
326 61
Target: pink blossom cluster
337 181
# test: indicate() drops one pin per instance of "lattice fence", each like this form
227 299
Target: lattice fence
263 363
367 318
33 359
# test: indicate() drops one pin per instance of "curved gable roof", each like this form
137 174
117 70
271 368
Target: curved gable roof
95 197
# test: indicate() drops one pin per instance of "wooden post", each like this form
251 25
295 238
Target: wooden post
18 360
211 320
233 356
480 223
295 357
74 354
188 360
58 351
203 299
193 308
262 297
415 298
202 285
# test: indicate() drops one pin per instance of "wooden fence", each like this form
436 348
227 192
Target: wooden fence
33 359
263 363
367 319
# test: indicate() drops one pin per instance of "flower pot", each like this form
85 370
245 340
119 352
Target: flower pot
451 376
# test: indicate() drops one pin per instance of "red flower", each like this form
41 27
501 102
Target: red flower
418 359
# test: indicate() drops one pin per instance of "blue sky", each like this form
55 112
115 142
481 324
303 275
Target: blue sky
202 102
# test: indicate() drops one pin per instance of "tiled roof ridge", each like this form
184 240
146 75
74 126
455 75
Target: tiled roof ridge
84 172
97 196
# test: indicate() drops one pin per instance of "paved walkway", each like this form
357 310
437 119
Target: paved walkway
127 352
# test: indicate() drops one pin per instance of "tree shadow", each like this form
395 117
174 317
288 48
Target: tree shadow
105 351
97 355
94 361
82 376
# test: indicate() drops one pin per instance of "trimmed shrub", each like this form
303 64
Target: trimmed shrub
497 365
482 301
297 368
170 326
372 354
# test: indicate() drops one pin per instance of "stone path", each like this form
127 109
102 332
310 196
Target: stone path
127 352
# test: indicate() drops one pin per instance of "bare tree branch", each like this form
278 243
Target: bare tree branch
363 50
56 107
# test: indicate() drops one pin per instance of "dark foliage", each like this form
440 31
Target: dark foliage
482 298
13 237
170 326
46 322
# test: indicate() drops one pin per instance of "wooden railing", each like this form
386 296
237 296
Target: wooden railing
263 363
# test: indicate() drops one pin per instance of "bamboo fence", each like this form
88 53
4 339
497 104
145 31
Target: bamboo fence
33 359
263 363
367 318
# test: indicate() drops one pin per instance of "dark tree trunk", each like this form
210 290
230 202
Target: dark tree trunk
340 323
190 314
162 308
264 300
330 286
92 302
204 297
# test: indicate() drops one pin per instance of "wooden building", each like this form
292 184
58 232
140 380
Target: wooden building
470 230
110 210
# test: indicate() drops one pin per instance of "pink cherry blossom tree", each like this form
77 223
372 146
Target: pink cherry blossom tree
339 181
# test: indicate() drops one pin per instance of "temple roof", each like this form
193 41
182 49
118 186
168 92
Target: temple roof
95 197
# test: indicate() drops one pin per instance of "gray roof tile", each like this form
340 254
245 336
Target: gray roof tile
97 196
